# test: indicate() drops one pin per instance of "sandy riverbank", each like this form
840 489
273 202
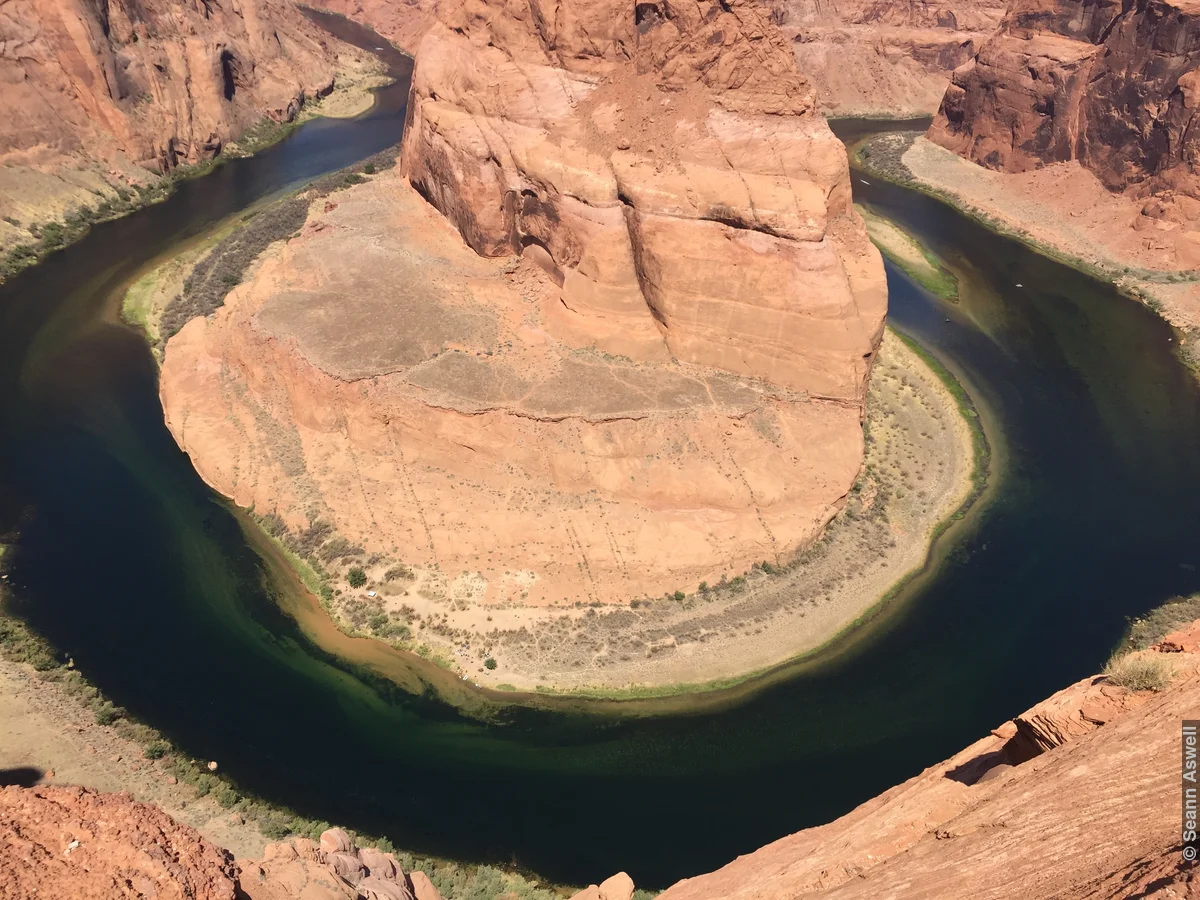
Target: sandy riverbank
909 254
43 729
919 469
1064 211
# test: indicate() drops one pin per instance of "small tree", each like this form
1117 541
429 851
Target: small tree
489 663
356 576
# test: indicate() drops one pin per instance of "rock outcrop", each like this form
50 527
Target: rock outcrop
74 842
1025 812
893 59
1113 86
668 170
647 364
119 86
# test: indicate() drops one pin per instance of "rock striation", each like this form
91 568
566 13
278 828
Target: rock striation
152 83
667 168
1113 86
892 59
606 336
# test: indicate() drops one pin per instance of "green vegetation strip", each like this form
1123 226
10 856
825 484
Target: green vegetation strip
455 880
910 255
882 156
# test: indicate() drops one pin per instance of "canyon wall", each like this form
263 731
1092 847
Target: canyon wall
94 93
879 58
1113 86
606 335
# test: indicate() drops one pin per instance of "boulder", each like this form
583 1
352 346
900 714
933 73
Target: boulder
372 888
380 864
346 866
335 840
422 887
617 887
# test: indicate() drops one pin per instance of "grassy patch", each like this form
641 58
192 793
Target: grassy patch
1141 671
916 260
1151 628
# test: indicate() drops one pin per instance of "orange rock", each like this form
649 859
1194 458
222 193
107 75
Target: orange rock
423 888
1185 640
672 380
1069 714
1054 84
74 842
1040 829
160 83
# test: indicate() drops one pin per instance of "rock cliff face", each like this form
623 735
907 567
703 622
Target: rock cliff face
880 58
1114 86
154 83
666 167
665 379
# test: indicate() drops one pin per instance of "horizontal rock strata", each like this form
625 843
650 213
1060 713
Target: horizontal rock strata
1113 86
663 382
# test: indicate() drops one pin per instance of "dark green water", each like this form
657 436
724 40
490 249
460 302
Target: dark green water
128 562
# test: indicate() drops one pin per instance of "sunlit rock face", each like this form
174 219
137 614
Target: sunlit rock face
604 334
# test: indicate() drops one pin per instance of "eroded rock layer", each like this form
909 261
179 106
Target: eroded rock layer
1112 85
160 82
873 58
379 374
664 382
1027 811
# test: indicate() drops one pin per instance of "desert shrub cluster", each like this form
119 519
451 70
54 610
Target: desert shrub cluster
222 269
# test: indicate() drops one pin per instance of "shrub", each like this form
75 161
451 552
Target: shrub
1158 623
489 663
369 169
398 572
225 796
52 236
680 596
105 713
156 750
1140 671
356 576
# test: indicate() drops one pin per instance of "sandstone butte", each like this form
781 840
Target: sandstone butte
1077 797
94 93
605 334
1112 87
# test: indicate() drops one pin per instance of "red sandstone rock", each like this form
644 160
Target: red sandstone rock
975 826
335 840
159 82
422 887
1185 640
72 842
1113 86
867 57
1069 714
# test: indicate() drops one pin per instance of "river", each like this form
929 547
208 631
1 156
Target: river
126 560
